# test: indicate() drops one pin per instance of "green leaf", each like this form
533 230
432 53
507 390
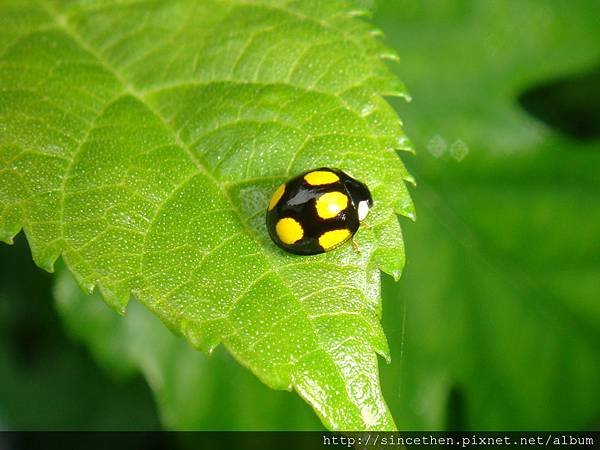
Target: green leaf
501 289
141 141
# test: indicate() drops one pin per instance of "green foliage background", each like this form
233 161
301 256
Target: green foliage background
495 322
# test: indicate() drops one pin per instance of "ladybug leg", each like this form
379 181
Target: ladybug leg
355 245
365 225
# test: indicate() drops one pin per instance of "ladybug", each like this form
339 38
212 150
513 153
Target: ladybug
317 211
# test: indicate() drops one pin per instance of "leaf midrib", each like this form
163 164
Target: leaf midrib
128 89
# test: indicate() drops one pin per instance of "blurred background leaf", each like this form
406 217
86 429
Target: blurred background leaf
502 283
47 382
496 317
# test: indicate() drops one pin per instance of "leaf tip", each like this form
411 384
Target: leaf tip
114 300
410 179
412 215
387 357
403 143
46 263
209 349
389 56
204 338
399 91
359 13
405 207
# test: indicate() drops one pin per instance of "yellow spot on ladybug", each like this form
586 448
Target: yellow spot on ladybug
333 238
276 196
330 204
289 230
321 177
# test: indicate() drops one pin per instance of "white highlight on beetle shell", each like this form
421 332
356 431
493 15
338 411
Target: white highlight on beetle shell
363 210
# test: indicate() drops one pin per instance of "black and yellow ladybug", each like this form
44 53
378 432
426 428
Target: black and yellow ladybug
317 211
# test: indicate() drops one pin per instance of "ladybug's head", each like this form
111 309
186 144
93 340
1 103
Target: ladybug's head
361 196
